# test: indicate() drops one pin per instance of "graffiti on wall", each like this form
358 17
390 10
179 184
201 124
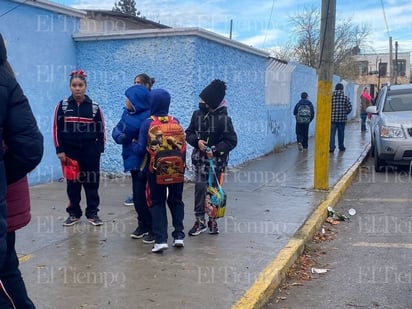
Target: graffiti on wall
273 126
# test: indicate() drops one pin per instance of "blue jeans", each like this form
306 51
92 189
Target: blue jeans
340 127
302 134
157 197
12 280
363 117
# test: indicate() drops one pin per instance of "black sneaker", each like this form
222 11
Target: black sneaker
213 227
71 220
198 227
149 238
95 220
138 233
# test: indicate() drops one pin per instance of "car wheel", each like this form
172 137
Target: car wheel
379 163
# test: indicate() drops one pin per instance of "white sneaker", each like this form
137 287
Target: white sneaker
300 147
159 247
178 243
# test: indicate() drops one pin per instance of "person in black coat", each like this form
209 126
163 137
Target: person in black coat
22 151
304 114
212 135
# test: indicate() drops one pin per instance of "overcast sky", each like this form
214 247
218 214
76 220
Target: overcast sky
265 24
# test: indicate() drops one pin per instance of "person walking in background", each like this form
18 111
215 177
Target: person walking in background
162 137
304 114
341 107
79 134
366 100
136 111
22 151
147 81
212 135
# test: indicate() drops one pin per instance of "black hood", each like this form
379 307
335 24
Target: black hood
160 102
3 52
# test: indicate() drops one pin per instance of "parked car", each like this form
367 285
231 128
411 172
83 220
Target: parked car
391 126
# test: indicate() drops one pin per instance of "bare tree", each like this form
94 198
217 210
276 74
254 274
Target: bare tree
284 52
307 34
305 43
127 7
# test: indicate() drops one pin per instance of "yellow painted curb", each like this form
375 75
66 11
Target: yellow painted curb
270 278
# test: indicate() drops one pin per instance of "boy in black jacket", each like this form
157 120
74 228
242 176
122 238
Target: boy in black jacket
304 113
212 136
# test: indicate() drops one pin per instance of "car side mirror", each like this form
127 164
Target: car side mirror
371 110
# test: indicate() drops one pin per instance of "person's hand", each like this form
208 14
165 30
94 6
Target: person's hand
123 139
202 144
62 156
209 153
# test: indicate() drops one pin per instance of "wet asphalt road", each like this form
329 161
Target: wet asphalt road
370 261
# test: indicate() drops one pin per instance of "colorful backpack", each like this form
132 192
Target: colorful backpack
304 114
167 150
215 199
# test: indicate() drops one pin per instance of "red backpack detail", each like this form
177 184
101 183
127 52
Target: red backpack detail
167 150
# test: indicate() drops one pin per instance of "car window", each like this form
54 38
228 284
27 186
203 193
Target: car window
398 103
379 99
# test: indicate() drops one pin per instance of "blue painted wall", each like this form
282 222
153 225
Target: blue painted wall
43 52
183 65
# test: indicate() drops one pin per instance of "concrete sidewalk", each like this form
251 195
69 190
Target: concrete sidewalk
272 208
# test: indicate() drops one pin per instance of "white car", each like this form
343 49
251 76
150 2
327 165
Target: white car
391 126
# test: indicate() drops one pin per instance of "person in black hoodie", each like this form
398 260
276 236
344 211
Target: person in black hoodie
212 135
21 152
304 114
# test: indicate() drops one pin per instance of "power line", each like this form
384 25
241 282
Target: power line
13 8
386 21
270 18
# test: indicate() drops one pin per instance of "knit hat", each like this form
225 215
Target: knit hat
304 95
214 93
339 86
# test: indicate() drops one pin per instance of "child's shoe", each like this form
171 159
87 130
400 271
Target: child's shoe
212 224
198 227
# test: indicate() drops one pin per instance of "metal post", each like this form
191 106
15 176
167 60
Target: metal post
379 75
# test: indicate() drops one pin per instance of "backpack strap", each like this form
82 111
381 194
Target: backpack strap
65 103
212 173
95 106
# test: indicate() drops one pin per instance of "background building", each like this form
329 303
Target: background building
378 69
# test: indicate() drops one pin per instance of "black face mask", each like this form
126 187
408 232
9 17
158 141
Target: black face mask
203 107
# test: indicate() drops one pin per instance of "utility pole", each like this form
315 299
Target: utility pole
323 110
396 62
391 70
